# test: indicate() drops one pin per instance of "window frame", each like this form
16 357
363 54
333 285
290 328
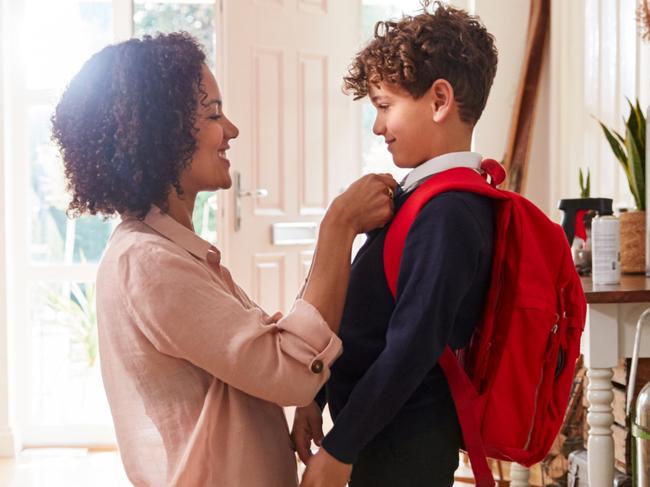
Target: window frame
21 272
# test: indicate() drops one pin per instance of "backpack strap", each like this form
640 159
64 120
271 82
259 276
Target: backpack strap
465 399
463 392
460 179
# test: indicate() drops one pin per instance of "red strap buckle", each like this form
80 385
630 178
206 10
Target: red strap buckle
495 170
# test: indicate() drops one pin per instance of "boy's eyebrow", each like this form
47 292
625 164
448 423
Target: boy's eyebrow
377 98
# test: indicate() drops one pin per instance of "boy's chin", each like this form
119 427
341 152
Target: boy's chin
404 163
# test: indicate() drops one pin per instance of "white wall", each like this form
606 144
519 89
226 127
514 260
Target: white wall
510 31
507 20
8 444
538 184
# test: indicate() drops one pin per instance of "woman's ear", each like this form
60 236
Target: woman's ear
441 95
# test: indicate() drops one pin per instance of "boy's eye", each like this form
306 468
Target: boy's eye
382 107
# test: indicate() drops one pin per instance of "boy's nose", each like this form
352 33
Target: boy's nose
378 128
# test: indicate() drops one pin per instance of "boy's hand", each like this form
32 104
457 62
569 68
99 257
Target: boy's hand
324 470
307 426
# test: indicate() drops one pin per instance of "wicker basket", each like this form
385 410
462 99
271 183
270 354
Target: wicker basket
633 242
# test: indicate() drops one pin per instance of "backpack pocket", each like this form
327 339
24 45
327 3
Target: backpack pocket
523 371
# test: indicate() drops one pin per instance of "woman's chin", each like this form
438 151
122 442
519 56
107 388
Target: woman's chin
226 184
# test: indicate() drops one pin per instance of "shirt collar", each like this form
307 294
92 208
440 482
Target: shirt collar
438 164
169 228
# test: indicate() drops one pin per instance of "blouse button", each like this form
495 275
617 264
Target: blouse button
213 257
317 366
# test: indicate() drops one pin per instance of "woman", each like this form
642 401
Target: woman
195 372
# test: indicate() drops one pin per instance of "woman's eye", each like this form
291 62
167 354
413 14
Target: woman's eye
214 117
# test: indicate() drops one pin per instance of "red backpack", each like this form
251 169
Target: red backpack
513 386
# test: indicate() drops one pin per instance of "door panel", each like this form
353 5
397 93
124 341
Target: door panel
281 69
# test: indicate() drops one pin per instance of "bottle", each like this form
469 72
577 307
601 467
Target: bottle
606 250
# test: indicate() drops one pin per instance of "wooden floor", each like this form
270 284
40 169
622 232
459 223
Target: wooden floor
71 467
65 467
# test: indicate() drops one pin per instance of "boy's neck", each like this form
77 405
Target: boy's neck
460 144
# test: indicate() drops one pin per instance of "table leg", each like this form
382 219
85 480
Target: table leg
519 475
600 446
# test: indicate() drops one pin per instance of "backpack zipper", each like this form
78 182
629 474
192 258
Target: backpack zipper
554 330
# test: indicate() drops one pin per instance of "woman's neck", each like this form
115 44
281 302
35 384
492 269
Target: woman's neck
181 208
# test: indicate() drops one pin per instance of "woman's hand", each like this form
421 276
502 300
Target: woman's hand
367 204
307 426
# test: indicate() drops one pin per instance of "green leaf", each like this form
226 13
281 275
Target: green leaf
636 169
584 183
615 144
642 124
619 137
581 182
632 121
630 150
635 124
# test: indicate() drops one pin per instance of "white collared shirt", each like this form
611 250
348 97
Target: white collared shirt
440 163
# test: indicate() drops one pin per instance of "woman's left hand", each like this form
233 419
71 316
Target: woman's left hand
323 470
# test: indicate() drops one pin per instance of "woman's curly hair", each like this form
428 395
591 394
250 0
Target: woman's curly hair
415 51
125 124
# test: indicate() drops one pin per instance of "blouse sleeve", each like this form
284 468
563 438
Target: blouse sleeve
187 311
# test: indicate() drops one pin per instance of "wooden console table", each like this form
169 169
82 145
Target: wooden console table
612 315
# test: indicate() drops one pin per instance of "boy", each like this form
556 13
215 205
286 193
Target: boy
395 424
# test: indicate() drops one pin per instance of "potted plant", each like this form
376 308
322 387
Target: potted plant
585 184
630 152
76 311
581 245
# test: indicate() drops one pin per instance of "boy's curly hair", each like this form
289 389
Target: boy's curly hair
415 51
125 124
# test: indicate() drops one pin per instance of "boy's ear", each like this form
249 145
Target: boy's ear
441 95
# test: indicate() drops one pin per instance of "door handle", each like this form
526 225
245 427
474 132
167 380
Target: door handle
242 193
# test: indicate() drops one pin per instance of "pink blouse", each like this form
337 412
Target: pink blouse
195 372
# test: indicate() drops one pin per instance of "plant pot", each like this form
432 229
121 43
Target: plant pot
633 242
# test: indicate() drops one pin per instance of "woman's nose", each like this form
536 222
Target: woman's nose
232 132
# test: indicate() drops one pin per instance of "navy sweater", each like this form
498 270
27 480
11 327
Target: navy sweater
391 347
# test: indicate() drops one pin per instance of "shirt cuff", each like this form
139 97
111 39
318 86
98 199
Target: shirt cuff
311 340
338 444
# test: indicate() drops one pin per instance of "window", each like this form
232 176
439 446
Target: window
61 400
54 257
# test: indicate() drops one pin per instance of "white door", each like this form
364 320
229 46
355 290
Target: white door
280 68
